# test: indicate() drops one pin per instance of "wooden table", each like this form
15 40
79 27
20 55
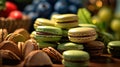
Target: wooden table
102 61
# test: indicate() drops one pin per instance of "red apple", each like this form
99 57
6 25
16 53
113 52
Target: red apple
15 14
9 7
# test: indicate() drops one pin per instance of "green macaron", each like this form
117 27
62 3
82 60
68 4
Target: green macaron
114 48
66 21
70 46
48 33
42 44
42 22
75 58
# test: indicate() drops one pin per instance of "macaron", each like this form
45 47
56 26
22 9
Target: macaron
66 21
82 34
94 48
9 58
32 34
42 22
114 48
42 44
55 56
70 46
75 58
15 37
64 36
3 34
23 32
27 47
48 33
37 58
9 45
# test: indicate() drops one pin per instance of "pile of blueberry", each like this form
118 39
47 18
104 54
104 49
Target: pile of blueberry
45 8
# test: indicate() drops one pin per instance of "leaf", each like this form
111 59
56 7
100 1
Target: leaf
84 16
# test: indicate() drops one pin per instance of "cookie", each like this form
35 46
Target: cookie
75 58
66 21
82 34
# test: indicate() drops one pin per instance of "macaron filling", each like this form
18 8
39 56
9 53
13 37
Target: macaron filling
68 21
46 33
83 36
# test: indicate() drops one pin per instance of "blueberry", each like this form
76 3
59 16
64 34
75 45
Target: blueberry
52 2
61 6
36 2
29 8
72 9
44 9
78 3
33 15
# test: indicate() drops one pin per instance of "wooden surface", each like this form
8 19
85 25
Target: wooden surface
101 61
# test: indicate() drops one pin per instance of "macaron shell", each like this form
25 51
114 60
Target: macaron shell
95 45
114 44
82 40
67 25
15 37
47 38
81 31
70 46
43 22
9 45
9 58
37 58
7 54
66 17
23 32
46 44
53 54
76 55
49 29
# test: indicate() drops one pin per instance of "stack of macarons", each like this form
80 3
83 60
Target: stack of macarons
64 33
47 36
50 32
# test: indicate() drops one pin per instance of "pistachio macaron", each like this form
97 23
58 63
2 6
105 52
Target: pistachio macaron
114 48
82 34
75 58
48 33
42 22
66 20
70 46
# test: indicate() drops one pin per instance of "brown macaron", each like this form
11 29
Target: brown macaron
15 37
9 58
9 45
27 47
22 31
37 58
3 34
94 48
55 56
